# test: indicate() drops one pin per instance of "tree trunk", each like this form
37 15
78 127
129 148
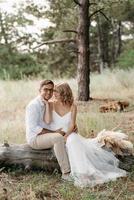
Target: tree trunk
5 36
24 156
119 39
103 43
113 43
100 48
83 71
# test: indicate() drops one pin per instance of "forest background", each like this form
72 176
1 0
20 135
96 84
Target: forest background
27 25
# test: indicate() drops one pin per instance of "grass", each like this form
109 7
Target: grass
117 84
34 186
18 185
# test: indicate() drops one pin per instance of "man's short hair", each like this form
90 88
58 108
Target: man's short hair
46 82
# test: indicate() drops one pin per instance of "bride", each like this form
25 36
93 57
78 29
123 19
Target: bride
90 163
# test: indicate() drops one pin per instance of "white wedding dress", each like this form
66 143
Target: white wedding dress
90 163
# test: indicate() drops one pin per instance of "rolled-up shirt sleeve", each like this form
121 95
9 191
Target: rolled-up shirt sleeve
33 127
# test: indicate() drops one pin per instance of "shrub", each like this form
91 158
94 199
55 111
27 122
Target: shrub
126 59
18 66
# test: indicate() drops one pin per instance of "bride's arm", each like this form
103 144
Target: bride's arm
47 118
73 121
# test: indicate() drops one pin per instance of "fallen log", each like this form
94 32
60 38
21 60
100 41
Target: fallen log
24 156
126 162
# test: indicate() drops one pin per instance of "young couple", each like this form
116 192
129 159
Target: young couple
53 124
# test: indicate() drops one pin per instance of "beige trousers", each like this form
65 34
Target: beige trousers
56 141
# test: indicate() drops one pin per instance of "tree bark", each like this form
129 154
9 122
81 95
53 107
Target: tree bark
24 156
119 39
83 71
100 48
113 43
103 43
4 34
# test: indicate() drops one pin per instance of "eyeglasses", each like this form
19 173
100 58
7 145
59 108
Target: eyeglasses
48 90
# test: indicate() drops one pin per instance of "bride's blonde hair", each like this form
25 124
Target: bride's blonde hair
65 93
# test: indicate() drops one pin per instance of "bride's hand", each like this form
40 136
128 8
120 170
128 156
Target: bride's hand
58 130
45 101
75 128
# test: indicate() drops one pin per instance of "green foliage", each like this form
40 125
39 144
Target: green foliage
126 59
60 60
17 66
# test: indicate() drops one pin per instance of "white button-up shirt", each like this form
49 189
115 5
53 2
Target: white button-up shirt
34 119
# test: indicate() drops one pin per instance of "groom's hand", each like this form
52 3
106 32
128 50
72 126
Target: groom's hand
60 131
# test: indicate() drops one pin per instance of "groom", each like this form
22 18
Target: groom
38 134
